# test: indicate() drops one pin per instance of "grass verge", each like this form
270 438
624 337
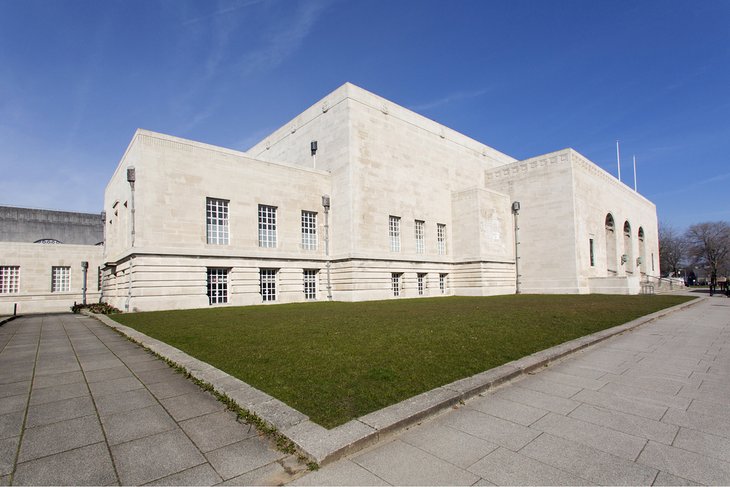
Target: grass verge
338 361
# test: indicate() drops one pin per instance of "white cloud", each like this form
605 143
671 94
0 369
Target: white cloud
447 100
285 36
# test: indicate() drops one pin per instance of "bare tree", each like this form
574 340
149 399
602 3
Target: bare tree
709 245
672 250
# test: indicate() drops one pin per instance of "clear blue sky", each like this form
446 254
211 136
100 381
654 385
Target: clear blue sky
525 77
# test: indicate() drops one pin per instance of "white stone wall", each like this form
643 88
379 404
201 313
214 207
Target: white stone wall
564 202
375 159
597 194
35 262
543 187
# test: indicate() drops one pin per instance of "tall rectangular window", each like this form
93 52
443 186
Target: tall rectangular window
217 285
267 226
442 283
216 220
441 238
60 279
267 278
394 233
9 279
395 283
420 245
421 285
310 283
309 230
593 259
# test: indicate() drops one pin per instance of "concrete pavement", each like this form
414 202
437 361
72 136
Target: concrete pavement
81 405
647 407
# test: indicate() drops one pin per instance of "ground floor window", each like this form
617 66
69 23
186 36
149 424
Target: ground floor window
421 285
310 284
442 283
593 260
9 279
267 278
217 285
395 283
60 279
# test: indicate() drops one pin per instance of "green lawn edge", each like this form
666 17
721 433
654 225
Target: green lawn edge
336 361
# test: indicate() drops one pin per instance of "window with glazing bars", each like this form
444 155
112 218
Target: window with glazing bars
442 283
420 245
267 226
60 277
216 211
309 230
9 279
310 284
441 238
267 278
394 232
395 283
217 285
421 285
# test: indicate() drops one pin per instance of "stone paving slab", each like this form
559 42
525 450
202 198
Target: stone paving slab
450 444
241 457
412 466
345 473
56 411
503 467
202 474
89 465
586 462
695 467
216 430
153 457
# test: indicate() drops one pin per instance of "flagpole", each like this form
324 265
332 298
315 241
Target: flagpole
618 160
634 173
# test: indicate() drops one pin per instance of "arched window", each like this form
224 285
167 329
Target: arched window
628 248
611 266
48 241
641 262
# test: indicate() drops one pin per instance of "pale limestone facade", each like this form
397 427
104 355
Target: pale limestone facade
387 171
33 285
41 255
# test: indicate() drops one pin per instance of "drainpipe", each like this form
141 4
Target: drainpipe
129 286
84 274
103 243
131 178
516 212
326 204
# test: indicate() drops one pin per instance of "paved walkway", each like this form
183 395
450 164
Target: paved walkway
648 407
81 405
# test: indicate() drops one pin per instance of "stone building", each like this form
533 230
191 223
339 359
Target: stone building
358 198
41 256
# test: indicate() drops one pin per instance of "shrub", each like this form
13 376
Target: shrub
101 308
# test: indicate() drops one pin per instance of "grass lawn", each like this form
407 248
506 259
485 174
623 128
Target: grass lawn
338 361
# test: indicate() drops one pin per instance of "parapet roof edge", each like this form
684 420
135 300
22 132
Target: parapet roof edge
32 208
353 92
223 150
572 152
